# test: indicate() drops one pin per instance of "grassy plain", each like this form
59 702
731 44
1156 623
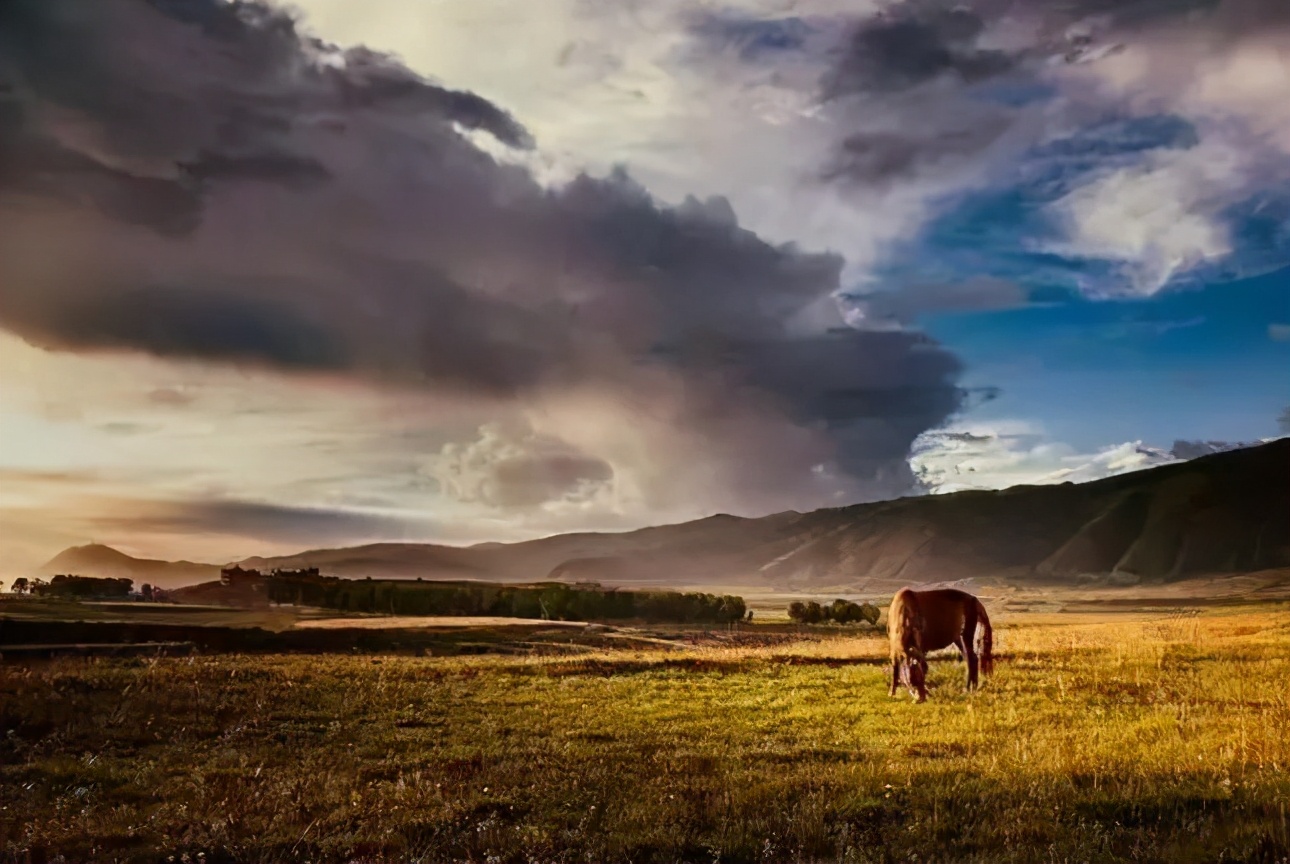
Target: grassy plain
49 609
1138 736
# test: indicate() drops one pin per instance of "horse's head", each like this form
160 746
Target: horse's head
915 672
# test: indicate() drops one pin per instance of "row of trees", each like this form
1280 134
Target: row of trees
555 601
839 612
86 588
72 587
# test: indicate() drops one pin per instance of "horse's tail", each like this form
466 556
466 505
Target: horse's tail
986 652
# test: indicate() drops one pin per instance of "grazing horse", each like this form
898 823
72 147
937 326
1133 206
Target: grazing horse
923 621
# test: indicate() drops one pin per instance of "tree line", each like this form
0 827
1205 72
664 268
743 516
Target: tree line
839 612
72 587
555 601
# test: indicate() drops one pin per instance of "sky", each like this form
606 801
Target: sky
275 277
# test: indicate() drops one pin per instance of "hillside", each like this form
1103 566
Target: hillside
1223 513
98 560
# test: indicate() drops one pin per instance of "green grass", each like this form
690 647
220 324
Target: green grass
1143 738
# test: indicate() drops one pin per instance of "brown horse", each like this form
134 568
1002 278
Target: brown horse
923 621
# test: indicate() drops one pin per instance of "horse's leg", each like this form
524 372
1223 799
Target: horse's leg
968 647
895 677
965 649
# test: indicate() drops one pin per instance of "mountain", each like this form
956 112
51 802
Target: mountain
1227 512
1224 513
99 560
718 549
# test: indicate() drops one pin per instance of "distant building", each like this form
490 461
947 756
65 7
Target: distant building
235 575
309 573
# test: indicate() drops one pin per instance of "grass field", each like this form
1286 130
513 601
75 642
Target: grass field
1139 736
49 609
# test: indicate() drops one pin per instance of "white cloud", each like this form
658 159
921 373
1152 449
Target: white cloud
1014 453
1227 76
1159 219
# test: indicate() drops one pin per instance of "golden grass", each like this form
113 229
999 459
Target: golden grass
1143 737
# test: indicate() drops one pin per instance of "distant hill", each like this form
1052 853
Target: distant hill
99 560
1223 513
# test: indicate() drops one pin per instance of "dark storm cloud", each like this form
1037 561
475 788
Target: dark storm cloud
922 94
373 81
912 45
266 522
933 87
187 323
194 178
282 168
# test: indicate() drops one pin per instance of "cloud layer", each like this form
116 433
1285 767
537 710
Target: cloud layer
200 180
581 345
1129 147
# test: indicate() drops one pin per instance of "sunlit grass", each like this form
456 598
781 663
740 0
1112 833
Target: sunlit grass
1149 738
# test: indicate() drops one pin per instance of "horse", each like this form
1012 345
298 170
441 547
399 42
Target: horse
923 621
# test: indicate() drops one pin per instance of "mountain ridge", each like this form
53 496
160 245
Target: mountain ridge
1227 512
97 559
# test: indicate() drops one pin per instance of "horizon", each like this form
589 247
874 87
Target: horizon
283 280
237 561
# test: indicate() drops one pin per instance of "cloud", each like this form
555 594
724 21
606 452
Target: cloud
904 307
944 103
1004 453
895 51
1160 218
1120 209
1013 453
930 96
736 101
222 187
262 522
515 468
191 323
880 158
1279 332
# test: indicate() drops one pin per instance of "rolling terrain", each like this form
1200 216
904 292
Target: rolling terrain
1226 513
95 559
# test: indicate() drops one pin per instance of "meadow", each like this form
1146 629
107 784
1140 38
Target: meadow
1128 736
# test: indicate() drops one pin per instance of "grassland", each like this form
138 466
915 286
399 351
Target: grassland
52 609
1139 736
